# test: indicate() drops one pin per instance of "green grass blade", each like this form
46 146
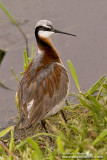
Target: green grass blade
3 153
32 143
100 137
60 144
50 154
103 89
11 144
5 87
21 144
74 75
14 74
17 104
96 86
8 14
96 106
95 103
32 52
37 154
5 131
25 60
84 103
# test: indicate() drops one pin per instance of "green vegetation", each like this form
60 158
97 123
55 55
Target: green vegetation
84 135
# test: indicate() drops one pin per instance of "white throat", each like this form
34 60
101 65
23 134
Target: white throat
45 34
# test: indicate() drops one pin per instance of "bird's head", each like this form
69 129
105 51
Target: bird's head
45 29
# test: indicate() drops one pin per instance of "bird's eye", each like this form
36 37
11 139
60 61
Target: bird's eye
44 28
49 26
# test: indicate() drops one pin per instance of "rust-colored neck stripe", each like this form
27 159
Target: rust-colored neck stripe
45 45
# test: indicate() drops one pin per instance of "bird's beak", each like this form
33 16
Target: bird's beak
57 31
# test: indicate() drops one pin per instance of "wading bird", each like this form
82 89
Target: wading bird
45 83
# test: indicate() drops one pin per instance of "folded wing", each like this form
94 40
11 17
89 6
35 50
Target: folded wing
40 92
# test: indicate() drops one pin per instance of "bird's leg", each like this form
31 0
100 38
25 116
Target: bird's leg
43 125
63 116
